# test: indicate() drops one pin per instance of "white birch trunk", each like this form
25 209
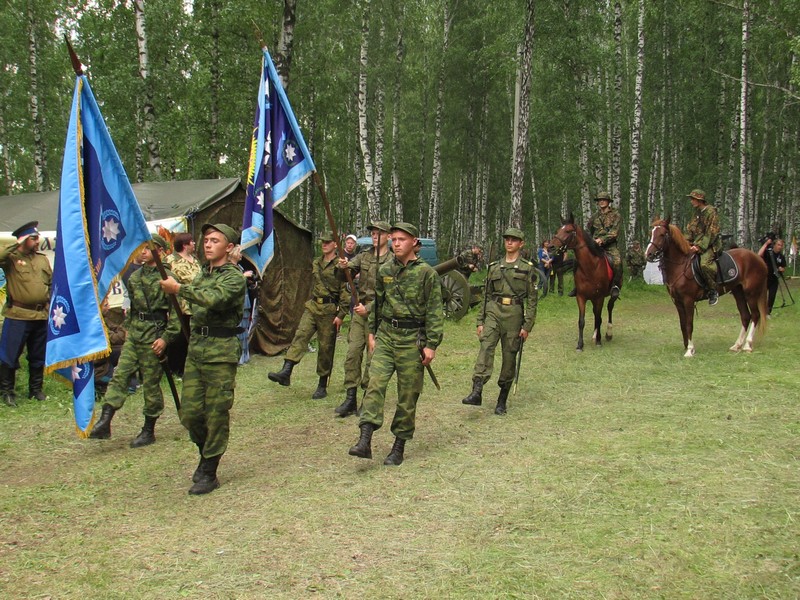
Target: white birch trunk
616 113
37 115
636 133
363 132
283 57
148 108
741 217
396 192
214 89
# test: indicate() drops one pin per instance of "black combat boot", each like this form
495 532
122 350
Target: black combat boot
102 429
147 435
363 448
616 283
7 384
284 376
500 409
395 457
350 404
475 397
322 389
713 297
207 481
35 382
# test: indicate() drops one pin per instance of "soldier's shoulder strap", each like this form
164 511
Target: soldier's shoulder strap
525 261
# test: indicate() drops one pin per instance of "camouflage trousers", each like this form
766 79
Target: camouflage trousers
320 323
137 356
394 351
708 266
356 344
206 402
502 324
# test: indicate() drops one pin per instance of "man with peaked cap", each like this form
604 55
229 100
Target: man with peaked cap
406 327
507 316
28 280
151 324
604 228
365 265
323 315
702 233
209 378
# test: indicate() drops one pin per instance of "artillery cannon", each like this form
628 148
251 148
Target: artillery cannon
457 295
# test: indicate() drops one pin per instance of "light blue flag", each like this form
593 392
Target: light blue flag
99 228
279 162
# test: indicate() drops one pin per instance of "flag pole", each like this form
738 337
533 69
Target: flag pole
332 223
172 297
76 63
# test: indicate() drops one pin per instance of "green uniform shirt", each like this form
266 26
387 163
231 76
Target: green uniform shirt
410 292
217 296
703 230
515 280
28 281
326 284
365 264
143 288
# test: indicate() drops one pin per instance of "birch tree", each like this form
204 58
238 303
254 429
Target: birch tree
636 133
744 173
37 118
616 114
148 109
283 57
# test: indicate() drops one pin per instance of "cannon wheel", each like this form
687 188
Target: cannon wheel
455 295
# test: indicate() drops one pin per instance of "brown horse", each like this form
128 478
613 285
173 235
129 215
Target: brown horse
592 278
749 287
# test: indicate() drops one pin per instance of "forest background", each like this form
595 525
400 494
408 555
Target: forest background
464 116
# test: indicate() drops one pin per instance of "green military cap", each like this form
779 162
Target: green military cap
382 225
407 227
160 241
27 229
326 236
514 232
226 230
697 195
603 196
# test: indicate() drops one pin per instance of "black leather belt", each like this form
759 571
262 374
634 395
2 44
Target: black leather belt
507 300
160 315
220 332
325 300
404 323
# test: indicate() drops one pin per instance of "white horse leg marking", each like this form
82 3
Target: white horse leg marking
689 349
739 341
751 333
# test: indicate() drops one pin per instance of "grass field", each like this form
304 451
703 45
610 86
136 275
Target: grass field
625 471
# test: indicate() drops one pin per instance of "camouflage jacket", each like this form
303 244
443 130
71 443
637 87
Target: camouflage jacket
184 271
635 258
365 265
410 292
516 279
28 281
217 297
703 230
150 315
605 226
327 284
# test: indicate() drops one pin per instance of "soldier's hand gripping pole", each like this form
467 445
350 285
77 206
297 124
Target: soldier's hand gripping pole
172 297
335 232
519 366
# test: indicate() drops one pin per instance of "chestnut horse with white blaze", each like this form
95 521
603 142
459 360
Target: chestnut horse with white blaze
593 277
670 248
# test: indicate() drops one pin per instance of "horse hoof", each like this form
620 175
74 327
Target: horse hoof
609 338
747 349
689 354
735 348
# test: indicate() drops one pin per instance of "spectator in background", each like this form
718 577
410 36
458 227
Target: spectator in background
184 266
772 253
635 260
350 246
545 266
557 271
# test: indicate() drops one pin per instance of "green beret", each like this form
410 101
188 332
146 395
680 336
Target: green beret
514 232
160 241
407 227
226 230
382 225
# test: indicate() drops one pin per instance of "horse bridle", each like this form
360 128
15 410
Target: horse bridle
659 253
573 234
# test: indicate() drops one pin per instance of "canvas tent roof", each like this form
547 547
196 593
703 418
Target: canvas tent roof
286 284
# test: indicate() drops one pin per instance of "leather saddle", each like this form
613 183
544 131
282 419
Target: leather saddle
727 269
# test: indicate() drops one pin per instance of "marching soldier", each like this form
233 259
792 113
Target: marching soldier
406 328
702 233
604 228
214 349
28 280
365 265
635 260
323 315
507 315
152 325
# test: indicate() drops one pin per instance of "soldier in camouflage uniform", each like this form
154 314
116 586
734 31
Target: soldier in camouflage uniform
507 315
604 228
635 260
406 328
151 325
214 349
702 233
185 267
28 281
323 315
365 265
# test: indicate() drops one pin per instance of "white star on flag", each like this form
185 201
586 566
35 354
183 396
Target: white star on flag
59 316
110 230
290 152
76 372
260 199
